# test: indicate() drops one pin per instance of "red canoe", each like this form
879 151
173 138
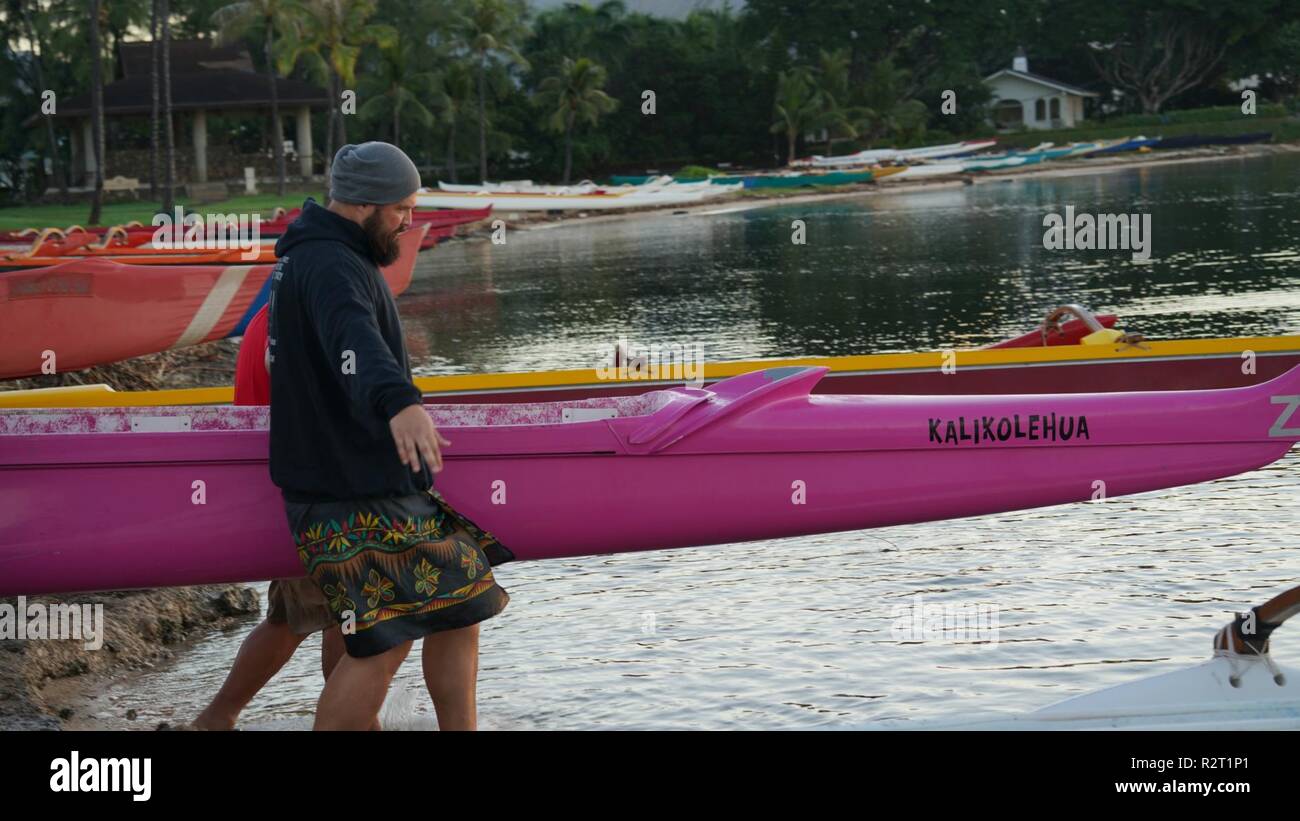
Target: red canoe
87 312
137 234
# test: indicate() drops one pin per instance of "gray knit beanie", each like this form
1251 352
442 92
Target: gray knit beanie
373 172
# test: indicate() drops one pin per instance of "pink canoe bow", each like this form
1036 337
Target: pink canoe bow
145 497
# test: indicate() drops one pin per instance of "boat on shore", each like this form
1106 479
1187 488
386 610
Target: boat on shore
1239 688
1199 140
1133 144
542 201
901 155
929 169
754 457
134 233
993 163
1062 355
95 311
802 180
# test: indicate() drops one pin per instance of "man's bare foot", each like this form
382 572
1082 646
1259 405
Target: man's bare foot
208 721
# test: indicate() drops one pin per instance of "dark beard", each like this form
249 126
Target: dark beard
384 248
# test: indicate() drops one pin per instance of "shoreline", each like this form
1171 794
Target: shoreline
745 202
44 682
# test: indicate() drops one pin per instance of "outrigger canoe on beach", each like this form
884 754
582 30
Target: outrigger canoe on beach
1082 355
95 311
182 496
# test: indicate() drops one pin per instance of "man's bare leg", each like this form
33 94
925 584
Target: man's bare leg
356 689
450 661
331 650
264 651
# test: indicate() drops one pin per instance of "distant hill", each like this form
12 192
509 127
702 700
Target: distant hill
658 8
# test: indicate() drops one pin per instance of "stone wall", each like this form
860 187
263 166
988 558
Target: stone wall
224 164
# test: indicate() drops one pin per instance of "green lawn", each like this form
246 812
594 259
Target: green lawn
1285 129
61 216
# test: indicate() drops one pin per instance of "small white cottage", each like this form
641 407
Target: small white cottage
1029 100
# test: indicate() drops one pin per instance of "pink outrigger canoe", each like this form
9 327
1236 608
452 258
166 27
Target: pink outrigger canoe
108 498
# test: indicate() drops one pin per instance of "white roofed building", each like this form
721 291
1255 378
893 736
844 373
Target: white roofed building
1022 99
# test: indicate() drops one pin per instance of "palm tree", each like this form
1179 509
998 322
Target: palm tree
38 50
889 111
169 134
96 114
271 15
836 116
453 98
490 30
797 106
329 39
574 96
398 87
154 58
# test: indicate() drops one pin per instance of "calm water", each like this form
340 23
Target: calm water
798 633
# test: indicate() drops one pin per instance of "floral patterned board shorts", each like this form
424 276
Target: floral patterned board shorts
397 569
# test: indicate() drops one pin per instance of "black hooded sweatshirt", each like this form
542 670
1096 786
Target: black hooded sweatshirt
339 368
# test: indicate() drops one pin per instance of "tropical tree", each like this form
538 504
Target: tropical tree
574 96
598 32
397 87
96 113
36 37
836 116
329 42
453 99
270 16
169 132
797 106
491 31
1280 59
888 111
155 114
1156 50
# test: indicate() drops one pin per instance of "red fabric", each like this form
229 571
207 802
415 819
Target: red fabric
252 382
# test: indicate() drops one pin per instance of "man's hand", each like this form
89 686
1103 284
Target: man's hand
415 436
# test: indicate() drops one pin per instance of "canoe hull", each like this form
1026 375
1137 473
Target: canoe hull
1194 698
136 310
756 458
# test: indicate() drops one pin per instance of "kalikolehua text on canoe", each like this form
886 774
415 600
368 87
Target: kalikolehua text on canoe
1033 427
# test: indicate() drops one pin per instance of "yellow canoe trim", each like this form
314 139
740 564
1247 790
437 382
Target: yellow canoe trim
877 173
89 396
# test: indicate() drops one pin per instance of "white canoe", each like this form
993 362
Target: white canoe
937 169
929 152
1193 698
583 187
521 186
522 201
